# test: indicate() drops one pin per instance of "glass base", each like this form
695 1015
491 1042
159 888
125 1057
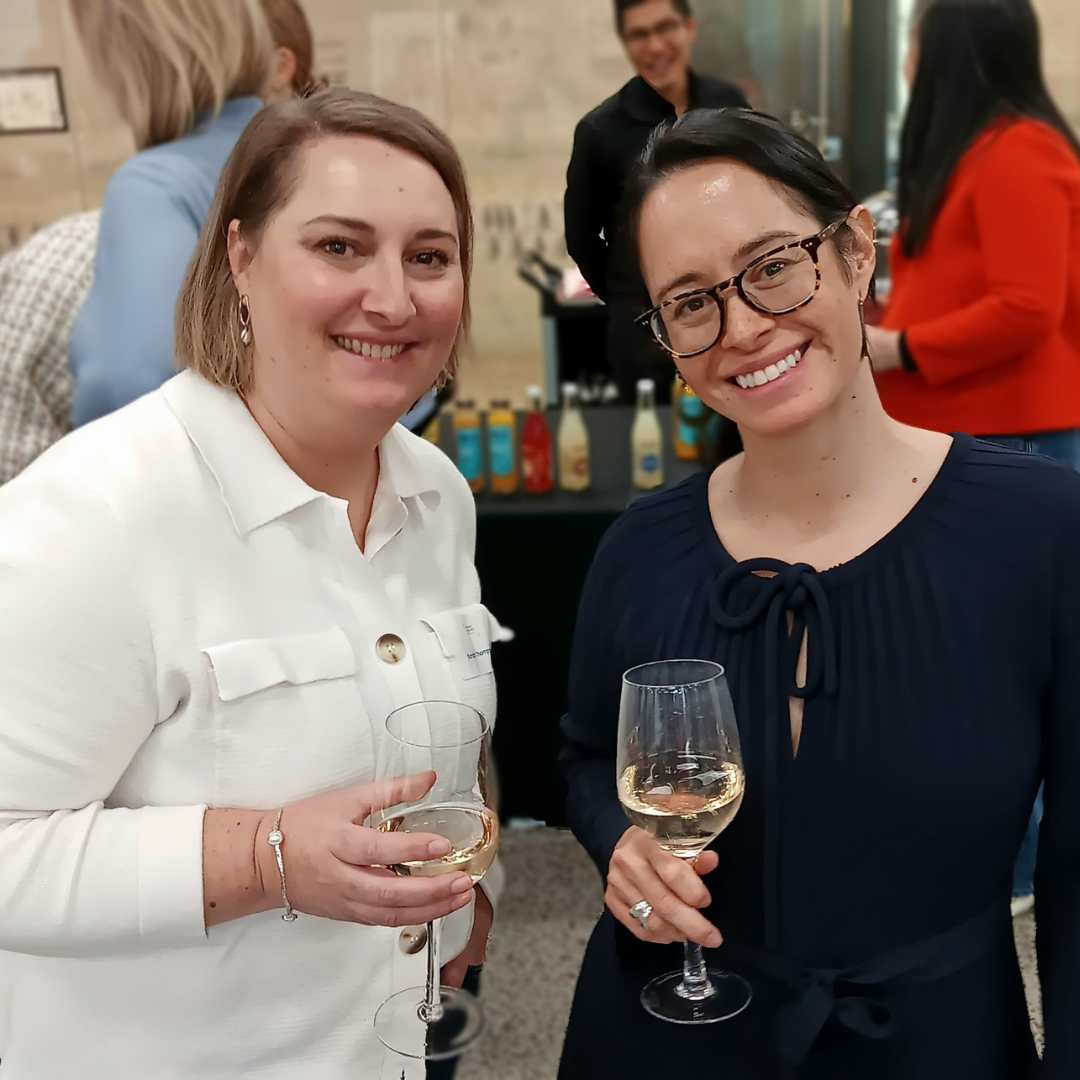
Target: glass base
402 1027
666 999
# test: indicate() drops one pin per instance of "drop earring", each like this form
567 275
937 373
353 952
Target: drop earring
243 311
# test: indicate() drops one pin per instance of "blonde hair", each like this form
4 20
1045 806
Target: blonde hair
166 61
258 179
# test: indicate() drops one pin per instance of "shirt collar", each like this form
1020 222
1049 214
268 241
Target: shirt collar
643 103
255 482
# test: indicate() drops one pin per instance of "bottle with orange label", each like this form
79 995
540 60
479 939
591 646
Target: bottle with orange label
573 444
502 448
470 444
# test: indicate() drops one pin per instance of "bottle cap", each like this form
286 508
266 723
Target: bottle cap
534 391
466 403
569 389
645 385
500 403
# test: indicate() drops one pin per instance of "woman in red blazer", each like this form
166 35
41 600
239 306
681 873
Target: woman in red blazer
982 330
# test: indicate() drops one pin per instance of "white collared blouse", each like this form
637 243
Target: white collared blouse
188 624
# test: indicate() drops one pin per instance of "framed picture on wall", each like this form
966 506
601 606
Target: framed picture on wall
32 101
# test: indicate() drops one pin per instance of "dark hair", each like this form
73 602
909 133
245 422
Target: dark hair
623 6
754 139
979 61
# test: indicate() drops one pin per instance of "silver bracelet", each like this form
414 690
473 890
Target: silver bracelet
275 839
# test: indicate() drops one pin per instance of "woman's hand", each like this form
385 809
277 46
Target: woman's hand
475 951
642 870
335 866
884 348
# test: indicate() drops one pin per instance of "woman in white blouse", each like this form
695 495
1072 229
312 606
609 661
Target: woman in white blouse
212 599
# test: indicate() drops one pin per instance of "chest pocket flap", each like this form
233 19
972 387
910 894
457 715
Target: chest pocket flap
252 664
465 636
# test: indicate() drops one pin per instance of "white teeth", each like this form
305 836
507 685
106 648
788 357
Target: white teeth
770 373
364 348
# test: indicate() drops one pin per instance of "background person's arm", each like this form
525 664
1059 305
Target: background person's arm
585 209
122 345
1022 218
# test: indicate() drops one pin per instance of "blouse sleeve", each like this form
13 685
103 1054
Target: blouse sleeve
78 697
1057 874
1022 213
591 726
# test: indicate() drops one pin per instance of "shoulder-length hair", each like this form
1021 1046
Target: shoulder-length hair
978 61
256 183
165 62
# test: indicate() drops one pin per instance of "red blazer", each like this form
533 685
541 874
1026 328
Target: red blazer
991 305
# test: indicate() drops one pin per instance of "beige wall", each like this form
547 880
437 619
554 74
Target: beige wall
1061 51
507 79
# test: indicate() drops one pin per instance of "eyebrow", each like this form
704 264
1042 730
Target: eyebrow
359 225
741 253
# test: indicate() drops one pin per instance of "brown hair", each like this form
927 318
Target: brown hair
291 30
258 179
166 61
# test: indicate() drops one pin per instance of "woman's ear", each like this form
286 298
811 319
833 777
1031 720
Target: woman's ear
281 81
240 255
863 254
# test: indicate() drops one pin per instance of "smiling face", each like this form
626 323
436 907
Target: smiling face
355 287
768 373
659 41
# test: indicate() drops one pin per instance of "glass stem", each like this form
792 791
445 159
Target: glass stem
695 985
432 1010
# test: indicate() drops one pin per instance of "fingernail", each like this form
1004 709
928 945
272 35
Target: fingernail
714 940
462 883
438 848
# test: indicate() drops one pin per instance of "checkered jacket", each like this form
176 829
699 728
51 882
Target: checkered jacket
43 284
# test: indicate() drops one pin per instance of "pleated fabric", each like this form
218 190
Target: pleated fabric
941 664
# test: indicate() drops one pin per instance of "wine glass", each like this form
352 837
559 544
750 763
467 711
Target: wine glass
454 741
681 779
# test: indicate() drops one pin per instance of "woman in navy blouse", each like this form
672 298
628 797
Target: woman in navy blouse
898 612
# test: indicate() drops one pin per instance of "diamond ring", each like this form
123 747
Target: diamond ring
641 911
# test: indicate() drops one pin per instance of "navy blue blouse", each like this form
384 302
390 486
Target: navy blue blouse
874 864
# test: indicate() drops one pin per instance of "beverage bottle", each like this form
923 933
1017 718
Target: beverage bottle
502 449
470 446
646 440
573 442
688 419
536 446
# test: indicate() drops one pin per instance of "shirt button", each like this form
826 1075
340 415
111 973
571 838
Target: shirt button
390 649
412 940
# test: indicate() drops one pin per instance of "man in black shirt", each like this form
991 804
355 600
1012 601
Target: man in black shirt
658 36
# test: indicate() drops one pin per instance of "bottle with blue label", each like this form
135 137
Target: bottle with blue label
502 448
647 440
470 444
689 416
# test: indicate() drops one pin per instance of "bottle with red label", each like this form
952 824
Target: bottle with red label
538 475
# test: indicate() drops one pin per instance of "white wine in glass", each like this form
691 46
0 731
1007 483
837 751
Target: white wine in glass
453 741
473 831
683 800
680 778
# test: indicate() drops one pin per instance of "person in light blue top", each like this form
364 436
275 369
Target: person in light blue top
193 74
